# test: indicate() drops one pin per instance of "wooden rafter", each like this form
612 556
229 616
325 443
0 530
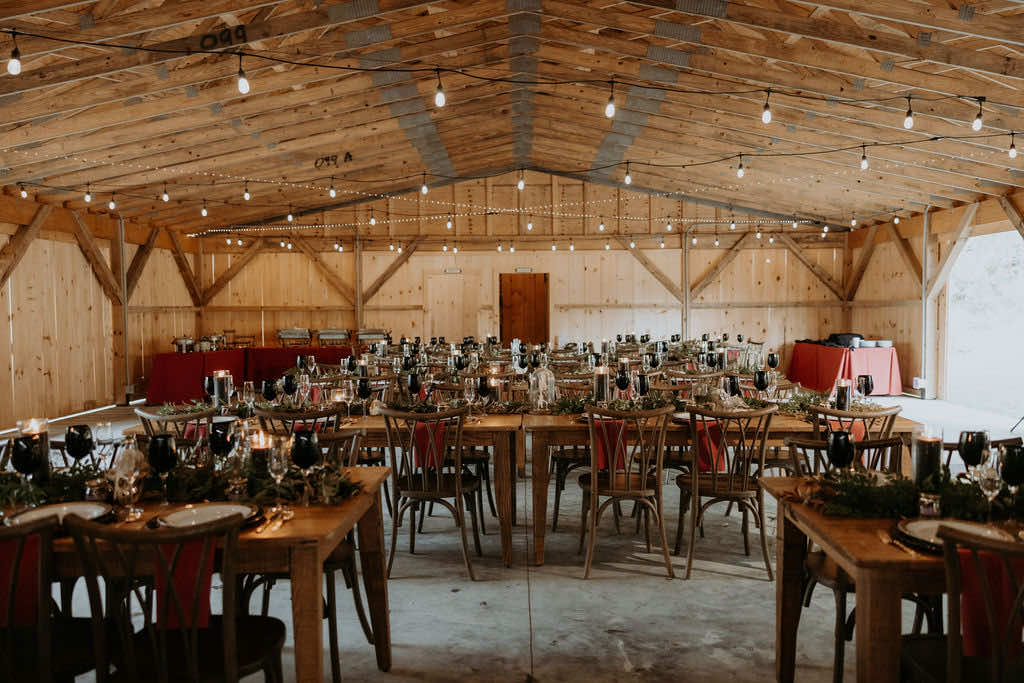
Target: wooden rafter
862 264
819 272
14 250
236 267
937 281
189 277
1013 213
407 251
722 263
906 251
110 285
139 260
326 271
652 268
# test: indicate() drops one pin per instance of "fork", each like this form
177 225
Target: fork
884 537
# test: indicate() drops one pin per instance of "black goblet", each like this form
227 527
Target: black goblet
622 378
300 362
1013 466
522 347
408 362
972 447
351 363
865 384
523 362
414 384
655 360
711 346
221 441
535 359
483 387
305 449
704 337
739 338
760 380
725 336
773 360
839 448
27 454
441 341
416 341
163 457
210 386
269 389
363 389
433 341
597 359
461 362
78 441
618 338
734 385
643 384
290 385
711 359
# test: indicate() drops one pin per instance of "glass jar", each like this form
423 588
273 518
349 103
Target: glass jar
542 390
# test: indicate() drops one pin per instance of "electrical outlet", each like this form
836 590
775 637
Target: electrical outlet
920 382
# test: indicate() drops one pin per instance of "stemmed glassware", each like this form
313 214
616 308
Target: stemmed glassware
277 467
839 449
249 393
27 458
414 385
346 394
163 457
761 380
622 379
483 388
290 385
1013 466
269 389
127 476
989 482
305 454
303 387
469 392
865 385
642 383
363 392
78 442
973 449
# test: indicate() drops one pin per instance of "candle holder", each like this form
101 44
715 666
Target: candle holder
602 386
844 390
926 451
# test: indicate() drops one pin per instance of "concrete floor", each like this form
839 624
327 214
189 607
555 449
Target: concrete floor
627 622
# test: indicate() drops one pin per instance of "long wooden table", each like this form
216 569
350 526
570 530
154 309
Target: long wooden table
568 430
299 548
882 573
502 432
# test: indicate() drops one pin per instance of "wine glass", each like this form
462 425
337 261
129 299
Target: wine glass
761 380
163 457
303 387
300 363
305 454
643 384
734 385
414 384
535 360
221 439
27 459
469 391
839 449
972 447
739 338
990 484
483 388
351 363
346 394
210 387
1013 466
277 467
78 442
269 389
363 392
311 365
655 360
773 360
725 336
290 385
248 393
865 385
645 362
622 378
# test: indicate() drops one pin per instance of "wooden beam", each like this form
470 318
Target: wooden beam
655 271
723 262
868 250
139 261
407 251
90 249
328 273
229 274
818 271
1013 213
906 251
14 250
185 269
963 233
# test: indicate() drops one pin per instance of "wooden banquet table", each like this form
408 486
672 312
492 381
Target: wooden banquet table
299 548
500 431
881 571
817 367
567 430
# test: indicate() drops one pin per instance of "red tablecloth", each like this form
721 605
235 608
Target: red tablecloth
818 367
178 377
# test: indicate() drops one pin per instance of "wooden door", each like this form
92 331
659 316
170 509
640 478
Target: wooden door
524 307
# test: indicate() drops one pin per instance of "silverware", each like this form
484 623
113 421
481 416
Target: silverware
884 537
268 521
282 517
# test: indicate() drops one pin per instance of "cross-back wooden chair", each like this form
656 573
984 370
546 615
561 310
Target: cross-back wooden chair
425 451
953 447
36 642
564 459
863 424
188 429
179 640
808 457
627 449
986 577
285 422
728 450
686 382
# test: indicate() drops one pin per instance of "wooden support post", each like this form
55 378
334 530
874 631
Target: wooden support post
818 271
139 261
654 270
728 257
185 269
332 277
963 233
906 251
1013 213
866 252
359 281
120 361
110 285
407 251
236 267
685 284
199 274
14 250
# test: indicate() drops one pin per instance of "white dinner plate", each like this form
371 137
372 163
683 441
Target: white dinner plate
191 515
925 530
84 509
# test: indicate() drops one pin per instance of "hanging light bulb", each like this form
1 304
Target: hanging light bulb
732 224
794 224
14 63
1013 147
609 109
521 183
203 212
766 113
282 244
439 98
554 247
228 240
289 245
632 244
499 247
423 188
341 247
290 216
976 125
166 197
391 246
572 246
823 235
22 191
863 158
853 222
512 248
824 228
628 179
716 240
693 240
444 247
448 224
373 220
245 195
243 82
112 204
668 227
908 122
332 193
896 220
239 243
771 239
88 194
455 249
739 169
607 246
399 250
600 226
758 235
529 223
662 243
335 246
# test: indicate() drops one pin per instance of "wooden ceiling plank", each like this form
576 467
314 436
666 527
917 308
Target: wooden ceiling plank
723 262
110 285
937 281
12 9
818 271
656 272
18 244
399 261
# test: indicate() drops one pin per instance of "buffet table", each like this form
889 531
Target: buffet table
817 367
178 377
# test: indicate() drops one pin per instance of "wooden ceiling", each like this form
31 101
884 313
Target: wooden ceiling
115 119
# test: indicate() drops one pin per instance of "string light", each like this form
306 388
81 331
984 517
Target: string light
245 195
600 226
794 224
521 183
239 243
282 244
499 247
908 122
668 227
423 188
863 158
512 248
732 224
444 247
824 229
766 113
1013 147
14 63
609 109
529 223
391 246
896 220
572 246
739 169
716 239
628 179
373 220
341 247
448 223
662 243
693 241
112 204
88 194
455 249
607 246
203 211
771 239
228 240
243 82
853 221
332 193
554 247
290 216
758 235
166 197
439 98
399 250
289 245
632 244
976 125
335 246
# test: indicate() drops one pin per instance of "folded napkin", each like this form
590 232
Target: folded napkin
423 454
610 432
186 581
977 638
26 590
709 435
